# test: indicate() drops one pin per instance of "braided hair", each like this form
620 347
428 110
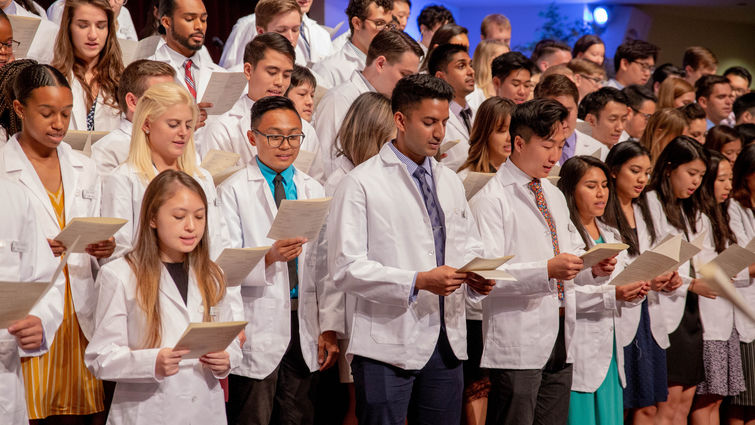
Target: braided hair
8 118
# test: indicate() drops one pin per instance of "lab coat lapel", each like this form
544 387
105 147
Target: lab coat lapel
390 159
169 289
194 303
17 164
457 125
263 190
70 168
79 112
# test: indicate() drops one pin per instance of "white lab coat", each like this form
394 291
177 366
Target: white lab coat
476 98
330 113
25 256
43 44
587 145
250 209
116 353
626 326
122 194
125 29
337 68
227 132
81 186
341 40
112 150
456 130
742 223
201 72
521 319
106 117
375 251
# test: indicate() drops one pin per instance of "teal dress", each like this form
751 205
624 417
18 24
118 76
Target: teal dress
606 405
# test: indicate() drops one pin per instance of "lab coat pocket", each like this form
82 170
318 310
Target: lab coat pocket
388 324
261 315
10 256
9 364
456 235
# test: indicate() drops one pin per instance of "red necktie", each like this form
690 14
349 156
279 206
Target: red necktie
189 79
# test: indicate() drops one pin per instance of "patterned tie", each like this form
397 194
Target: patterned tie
280 194
437 220
189 79
537 188
466 115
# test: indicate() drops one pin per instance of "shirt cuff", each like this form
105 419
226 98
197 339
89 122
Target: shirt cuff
414 291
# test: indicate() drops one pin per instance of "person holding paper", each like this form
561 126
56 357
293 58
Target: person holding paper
25 257
531 362
407 333
64 185
163 139
598 376
146 301
268 64
641 331
6 40
676 205
293 318
125 28
88 54
112 150
39 46
742 223
392 55
721 354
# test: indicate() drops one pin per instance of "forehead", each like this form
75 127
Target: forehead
276 58
432 108
284 119
721 88
291 16
89 12
519 74
615 108
190 6
460 56
51 95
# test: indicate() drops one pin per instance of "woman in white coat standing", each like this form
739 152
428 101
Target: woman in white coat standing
147 300
64 185
24 257
598 375
742 223
88 54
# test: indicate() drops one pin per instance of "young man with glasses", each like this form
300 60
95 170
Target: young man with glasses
293 319
366 19
7 43
641 106
634 63
588 76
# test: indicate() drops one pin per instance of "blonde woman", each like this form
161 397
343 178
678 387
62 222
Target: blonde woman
484 53
675 93
162 139
663 126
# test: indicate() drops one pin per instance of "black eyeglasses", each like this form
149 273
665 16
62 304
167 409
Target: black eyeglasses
10 44
276 140
644 115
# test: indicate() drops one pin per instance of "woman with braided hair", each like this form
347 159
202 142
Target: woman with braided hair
10 123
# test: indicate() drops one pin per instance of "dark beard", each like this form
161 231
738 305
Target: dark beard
184 41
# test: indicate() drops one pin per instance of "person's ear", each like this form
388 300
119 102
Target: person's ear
260 30
623 64
146 126
248 70
440 74
153 223
400 120
250 135
356 23
380 62
18 107
702 101
166 22
496 84
591 119
519 143
131 101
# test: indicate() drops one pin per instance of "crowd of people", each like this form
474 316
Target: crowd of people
372 321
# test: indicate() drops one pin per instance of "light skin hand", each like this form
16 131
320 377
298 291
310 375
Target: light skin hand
479 284
443 280
219 362
564 266
202 114
284 250
701 287
167 361
605 267
632 291
28 332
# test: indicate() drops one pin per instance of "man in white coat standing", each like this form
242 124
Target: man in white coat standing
392 56
528 324
408 335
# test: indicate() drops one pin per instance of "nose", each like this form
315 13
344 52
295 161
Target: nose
190 224
278 80
57 122
309 100
601 192
439 131
92 33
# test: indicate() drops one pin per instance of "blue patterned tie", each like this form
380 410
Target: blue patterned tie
437 220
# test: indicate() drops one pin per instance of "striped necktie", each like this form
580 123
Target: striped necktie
189 79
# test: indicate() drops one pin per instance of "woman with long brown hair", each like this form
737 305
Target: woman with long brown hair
663 127
489 141
88 54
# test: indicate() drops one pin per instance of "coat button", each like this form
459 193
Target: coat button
431 253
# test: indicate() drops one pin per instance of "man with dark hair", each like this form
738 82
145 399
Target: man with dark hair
366 19
697 62
633 62
293 318
408 332
664 71
744 109
268 64
740 79
512 76
401 11
391 56
696 122
641 106
606 111
549 52
429 20
301 91
112 150
496 27
530 322
713 93
452 64
564 91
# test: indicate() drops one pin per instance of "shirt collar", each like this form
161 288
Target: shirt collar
178 59
269 173
456 109
11 9
411 166
366 82
360 54
571 140
520 177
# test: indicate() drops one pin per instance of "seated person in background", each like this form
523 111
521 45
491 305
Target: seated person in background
512 76
633 62
429 20
125 25
641 106
590 48
740 79
663 73
697 62
401 11
724 139
548 53
663 126
696 122
496 27
483 56
607 111
744 109
301 91
588 76
675 93
713 93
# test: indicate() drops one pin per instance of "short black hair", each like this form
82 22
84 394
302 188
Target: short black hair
744 103
666 70
166 8
594 102
441 56
536 117
392 44
270 103
704 85
255 50
633 50
509 62
637 95
693 111
746 133
584 43
404 1
434 14
547 47
413 89
358 8
739 71
301 75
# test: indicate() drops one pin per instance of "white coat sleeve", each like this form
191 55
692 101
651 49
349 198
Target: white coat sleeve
327 123
233 350
117 202
331 302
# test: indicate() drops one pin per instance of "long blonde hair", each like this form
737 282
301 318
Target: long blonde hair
145 263
110 62
153 103
481 61
663 126
367 126
670 89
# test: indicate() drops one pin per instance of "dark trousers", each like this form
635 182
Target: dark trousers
532 396
284 397
388 395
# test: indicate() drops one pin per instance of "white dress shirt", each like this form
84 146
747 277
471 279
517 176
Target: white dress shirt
339 67
112 150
